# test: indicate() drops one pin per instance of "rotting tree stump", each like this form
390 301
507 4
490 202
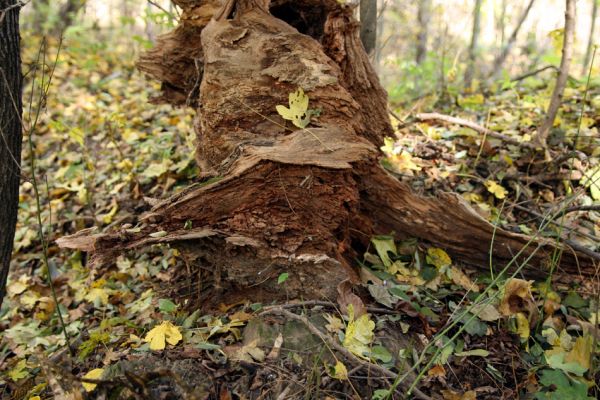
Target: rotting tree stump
284 199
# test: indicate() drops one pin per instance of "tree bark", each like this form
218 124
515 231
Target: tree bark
470 72
10 131
590 44
368 25
563 73
499 61
284 199
424 19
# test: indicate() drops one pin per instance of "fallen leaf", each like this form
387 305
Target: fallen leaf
298 112
438 258
497 190
93 374
166 331
340 372
347 298
359 333
518 298
437 371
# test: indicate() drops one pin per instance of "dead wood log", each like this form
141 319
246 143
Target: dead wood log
302 201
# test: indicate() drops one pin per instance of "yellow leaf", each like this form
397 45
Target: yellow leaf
400 159
495 189
581 352
108 217
438 258
298 112
591 179
166 331
359 333
35 398
340 372
93 374
522 326
97 296
19 371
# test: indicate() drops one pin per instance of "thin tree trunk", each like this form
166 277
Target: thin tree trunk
563 74
368 25
11 81
470 72
424 18
590 44
499 61
67 14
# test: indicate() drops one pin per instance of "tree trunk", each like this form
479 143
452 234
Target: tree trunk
10 131
284 199
368 25
563 74
499 61
590 44
424 19
67 14
470 72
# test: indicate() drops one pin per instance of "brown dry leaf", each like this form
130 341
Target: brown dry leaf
274 353
461 279
437 371
240 316
452 395
346 297
518 298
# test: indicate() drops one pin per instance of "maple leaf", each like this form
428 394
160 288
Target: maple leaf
298 112
359 333
494 188
166 331
97 296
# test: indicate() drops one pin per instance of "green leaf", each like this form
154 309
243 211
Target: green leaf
474 326
476 352
166 305
282 278
574 300
381 353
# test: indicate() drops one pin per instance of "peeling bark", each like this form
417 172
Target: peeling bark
283 199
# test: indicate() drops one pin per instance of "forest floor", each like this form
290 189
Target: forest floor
103 154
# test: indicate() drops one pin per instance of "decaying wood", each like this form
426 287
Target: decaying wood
283 199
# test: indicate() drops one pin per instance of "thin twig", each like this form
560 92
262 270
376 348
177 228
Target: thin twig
18 4
422 117
533 73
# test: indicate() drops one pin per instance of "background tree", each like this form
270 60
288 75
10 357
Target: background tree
424 19
11 134
368 25
499 61
470 72
590 43
563 74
